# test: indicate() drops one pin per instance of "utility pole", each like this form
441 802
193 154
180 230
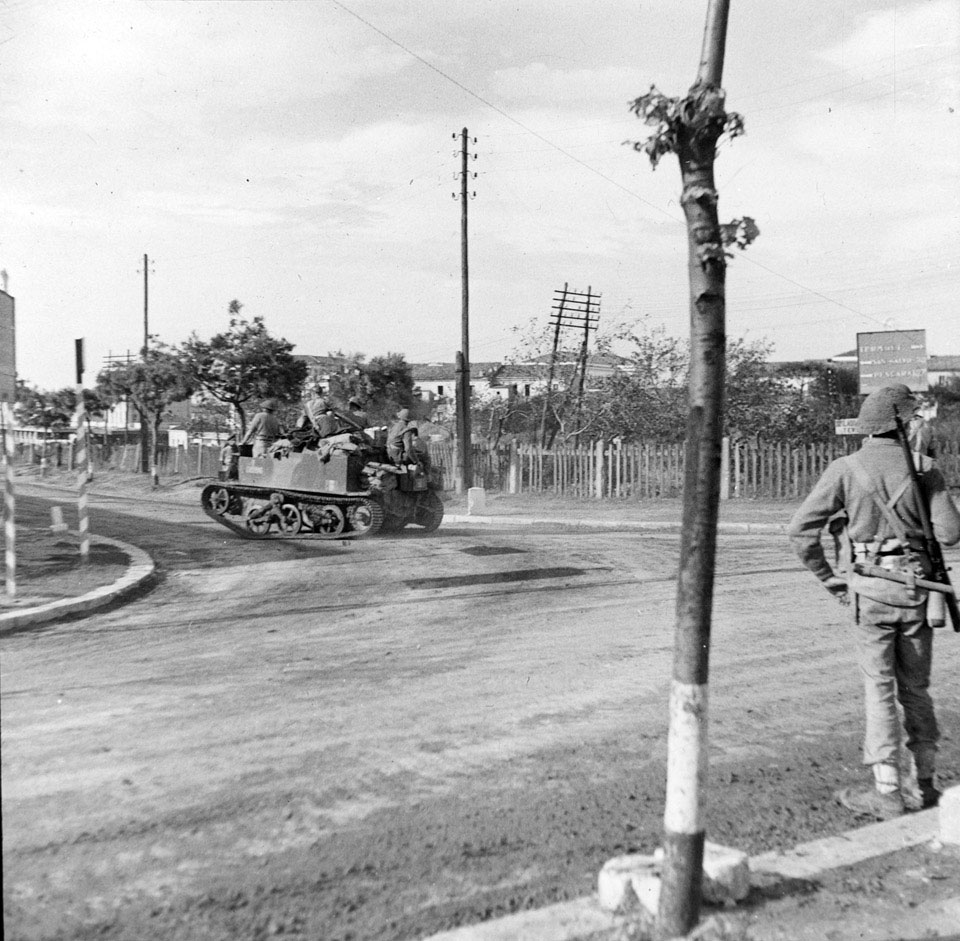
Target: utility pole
702 122
464 433
144 431
570 309
584 351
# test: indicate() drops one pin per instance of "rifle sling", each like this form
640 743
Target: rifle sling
897 526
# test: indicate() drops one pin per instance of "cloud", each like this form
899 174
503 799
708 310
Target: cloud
905 32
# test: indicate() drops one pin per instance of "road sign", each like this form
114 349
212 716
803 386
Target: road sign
892 356
847 426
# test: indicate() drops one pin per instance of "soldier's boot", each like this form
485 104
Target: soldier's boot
929 793
883 802
872 803
925 759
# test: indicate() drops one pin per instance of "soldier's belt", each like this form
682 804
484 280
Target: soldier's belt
904 578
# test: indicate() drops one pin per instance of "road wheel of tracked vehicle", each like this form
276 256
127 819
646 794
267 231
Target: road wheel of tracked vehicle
258 519
290 521
429 512
366 518
218 499
328 520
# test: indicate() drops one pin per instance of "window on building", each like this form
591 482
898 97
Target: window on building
526 391
439 390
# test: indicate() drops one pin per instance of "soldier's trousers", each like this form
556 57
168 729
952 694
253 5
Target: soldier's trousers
895 652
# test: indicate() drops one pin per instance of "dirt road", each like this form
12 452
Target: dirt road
380 739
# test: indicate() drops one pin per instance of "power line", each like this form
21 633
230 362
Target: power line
591 169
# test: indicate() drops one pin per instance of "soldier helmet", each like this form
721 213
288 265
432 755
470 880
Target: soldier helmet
353 402
270 405
880 409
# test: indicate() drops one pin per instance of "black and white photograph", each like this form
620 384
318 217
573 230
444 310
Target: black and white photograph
480 471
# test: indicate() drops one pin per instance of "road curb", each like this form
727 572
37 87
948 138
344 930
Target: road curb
726 529
582 919
140 569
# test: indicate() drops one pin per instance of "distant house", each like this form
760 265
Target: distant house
943 369
529 378
438 381
940 369
320 369
851 356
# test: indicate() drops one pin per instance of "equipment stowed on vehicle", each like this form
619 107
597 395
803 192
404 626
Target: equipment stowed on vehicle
346 488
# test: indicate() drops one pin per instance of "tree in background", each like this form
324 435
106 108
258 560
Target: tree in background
646 398
557 415
820 393
152 384
39 408
210 415
387 383
348 382
946 426
245 364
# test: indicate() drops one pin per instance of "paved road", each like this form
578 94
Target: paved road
383 738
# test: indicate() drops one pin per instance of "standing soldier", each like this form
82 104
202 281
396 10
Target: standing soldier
357 412
396 442
264 429
229 459
894 640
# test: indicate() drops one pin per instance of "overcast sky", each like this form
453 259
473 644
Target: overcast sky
298 156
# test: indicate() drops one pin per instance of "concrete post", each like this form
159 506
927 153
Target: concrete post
598 475
514 468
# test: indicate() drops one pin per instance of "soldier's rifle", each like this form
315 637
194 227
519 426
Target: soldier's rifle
904 578
940 573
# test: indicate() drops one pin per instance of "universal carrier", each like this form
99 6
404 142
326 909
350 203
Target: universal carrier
346 488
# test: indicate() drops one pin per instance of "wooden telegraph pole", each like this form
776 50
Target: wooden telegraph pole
579 311
701 122
144 431
464 433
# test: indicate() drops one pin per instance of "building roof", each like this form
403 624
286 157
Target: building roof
443 372
943 363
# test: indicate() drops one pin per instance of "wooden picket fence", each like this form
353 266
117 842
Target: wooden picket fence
768 470
599 470
185 462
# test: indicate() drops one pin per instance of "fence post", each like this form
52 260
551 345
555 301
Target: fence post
598 476
513 477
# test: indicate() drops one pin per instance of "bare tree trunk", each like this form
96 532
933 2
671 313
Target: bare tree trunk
684 836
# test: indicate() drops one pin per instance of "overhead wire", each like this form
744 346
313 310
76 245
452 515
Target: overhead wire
593 170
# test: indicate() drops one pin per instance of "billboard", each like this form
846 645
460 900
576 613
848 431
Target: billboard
892 356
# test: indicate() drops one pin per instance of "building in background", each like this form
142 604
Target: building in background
8 344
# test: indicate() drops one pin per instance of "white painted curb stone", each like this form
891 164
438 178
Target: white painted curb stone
949 808
626 880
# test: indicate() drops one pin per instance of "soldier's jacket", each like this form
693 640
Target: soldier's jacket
265 425
841 489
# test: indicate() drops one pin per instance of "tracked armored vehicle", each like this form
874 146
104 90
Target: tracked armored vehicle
345 488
